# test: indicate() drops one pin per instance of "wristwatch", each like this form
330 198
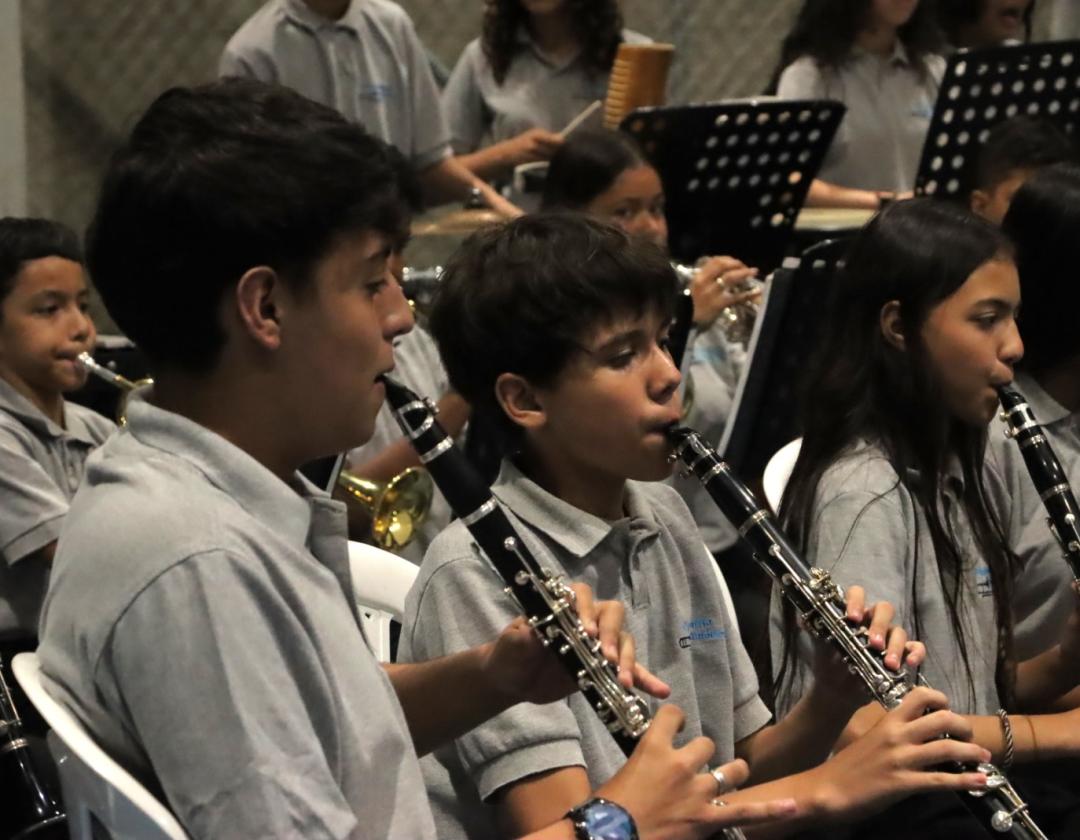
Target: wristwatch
600 819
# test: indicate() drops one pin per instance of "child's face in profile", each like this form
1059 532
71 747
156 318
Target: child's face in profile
44 326
993 204
607 411
972 343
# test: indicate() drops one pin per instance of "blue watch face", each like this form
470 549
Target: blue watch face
605 821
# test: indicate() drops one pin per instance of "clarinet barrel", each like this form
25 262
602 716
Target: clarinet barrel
1062 511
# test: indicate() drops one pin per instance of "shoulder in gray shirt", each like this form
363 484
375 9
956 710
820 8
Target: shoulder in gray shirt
369 65
678 610
41 465
199 623
869 530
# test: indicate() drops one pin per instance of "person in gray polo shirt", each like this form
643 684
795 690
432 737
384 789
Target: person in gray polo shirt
536 66
569 359
44 440
1042 221
199 620
363 58
888 491
881 60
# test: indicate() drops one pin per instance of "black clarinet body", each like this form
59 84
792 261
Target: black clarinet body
545 599
1062 511
820 601
28 782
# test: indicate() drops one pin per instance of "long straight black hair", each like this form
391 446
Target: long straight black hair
861 388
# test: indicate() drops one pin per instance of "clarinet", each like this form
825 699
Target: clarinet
546 600
820 602
1063 514
27 779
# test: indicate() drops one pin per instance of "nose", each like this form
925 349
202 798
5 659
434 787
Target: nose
398 317
82 327
1012 347
664 376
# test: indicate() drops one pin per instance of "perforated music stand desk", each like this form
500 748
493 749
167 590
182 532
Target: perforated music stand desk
735 173
982 88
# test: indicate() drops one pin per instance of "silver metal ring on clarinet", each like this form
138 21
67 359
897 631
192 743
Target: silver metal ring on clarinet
721 781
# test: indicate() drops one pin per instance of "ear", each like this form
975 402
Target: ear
979 201
519 400
892 325
258 306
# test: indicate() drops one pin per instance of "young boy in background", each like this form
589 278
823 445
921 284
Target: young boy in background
1014 150
44 440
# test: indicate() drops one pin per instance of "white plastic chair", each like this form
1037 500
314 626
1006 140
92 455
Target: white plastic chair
778 471
381 581
97 791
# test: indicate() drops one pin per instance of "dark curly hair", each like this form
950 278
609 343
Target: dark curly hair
598 25
825 30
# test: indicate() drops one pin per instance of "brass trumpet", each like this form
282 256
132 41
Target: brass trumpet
121 382
397 507
737 320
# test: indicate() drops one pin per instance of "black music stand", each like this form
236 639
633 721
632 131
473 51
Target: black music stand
735 173
982 88
764 415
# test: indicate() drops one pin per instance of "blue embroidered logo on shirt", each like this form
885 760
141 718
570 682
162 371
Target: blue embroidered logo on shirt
983 585
376 93
701 630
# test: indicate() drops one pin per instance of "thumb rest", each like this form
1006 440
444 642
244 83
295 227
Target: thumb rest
820 601
1062 511
545 599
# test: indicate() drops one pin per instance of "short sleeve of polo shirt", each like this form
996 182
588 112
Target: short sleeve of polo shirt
431 137
802 79
204 720
463 102
461 604
33 508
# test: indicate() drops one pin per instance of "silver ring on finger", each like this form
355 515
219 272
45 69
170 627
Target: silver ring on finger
721 780
719 803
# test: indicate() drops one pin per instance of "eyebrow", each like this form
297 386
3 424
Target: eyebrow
56 294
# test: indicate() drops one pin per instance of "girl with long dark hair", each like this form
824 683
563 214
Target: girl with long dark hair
881 59
536 66
889 488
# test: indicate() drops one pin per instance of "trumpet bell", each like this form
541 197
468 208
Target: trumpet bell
396 507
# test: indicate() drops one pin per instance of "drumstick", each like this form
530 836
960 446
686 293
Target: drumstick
580 118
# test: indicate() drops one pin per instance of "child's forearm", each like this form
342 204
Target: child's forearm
1035 737
803 739
1043 679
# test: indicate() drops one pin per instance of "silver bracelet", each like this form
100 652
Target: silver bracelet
1006 731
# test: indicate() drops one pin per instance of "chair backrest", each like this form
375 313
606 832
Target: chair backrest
778 471
381 581
98 792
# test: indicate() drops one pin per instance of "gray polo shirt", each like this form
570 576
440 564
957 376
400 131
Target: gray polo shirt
417 365
41 465
678 610
199 623
889 104
711 369
537 92
369 65
869 530
1043 596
